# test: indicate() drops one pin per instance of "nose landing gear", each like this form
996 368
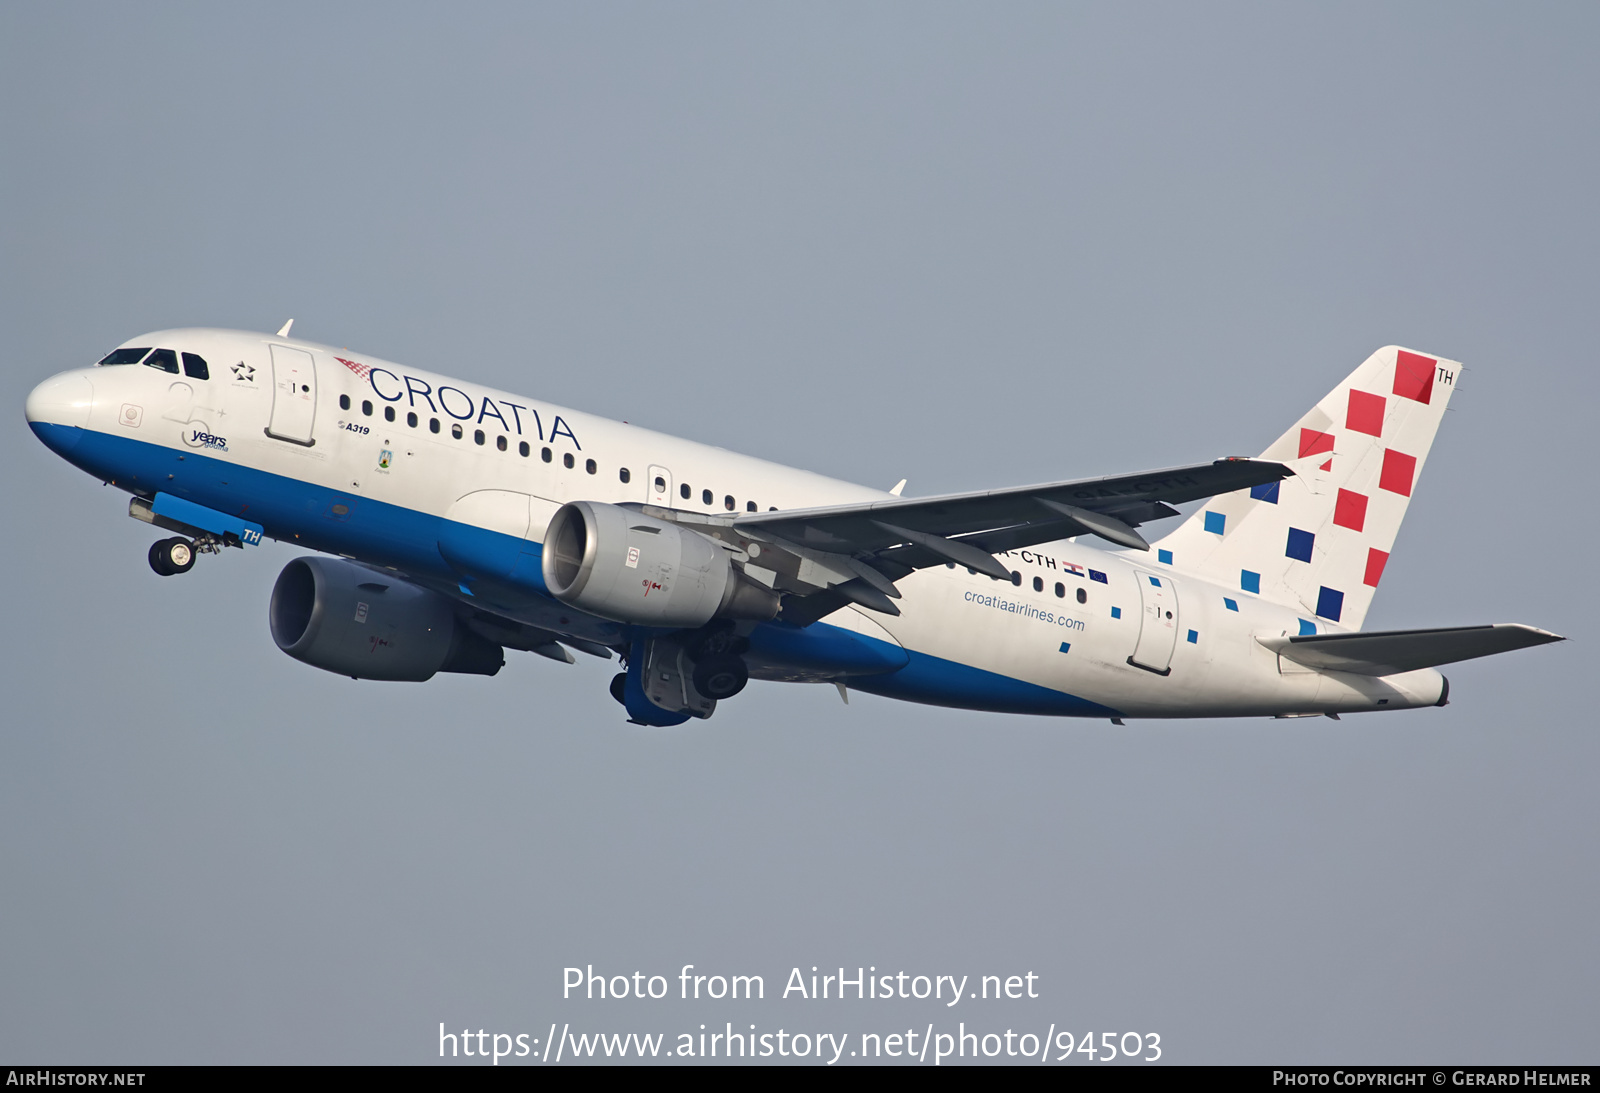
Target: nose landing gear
169 557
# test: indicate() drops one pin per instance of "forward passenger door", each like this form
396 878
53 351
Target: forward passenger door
294 395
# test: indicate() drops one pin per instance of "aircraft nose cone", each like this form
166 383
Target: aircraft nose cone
62 400
59 407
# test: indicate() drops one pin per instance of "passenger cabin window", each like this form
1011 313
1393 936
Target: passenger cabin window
477 436
729 503
433 425
705 497
455 431
344 402
195 367
1016 578
1038 584
411 419
567 461
366 407
623 475
164 359
1061 591
125 356
750 506
500 442
388 413
523 449
544 454
1083 597
684 490
590 466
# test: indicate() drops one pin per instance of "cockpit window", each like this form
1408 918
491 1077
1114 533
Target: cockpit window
164 359
195 367
125 356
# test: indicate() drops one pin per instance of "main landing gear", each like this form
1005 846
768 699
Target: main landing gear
719 670
678 676
169 557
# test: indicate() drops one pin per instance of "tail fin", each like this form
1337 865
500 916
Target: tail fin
1318 542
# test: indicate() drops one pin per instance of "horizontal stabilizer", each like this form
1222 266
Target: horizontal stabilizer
1387 652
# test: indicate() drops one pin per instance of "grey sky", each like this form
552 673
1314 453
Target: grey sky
963 246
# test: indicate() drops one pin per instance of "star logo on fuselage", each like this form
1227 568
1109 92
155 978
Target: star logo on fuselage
243 371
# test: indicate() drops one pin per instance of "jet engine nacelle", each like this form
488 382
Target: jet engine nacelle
628 567
346 618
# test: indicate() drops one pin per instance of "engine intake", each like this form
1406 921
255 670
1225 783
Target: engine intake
346 618
628 567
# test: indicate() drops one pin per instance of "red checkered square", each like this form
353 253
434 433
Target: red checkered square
1413 376
1312 442
1399 471
1366 413
1376 560
1350 510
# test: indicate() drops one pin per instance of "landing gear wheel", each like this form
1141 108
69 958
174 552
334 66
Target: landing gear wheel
618 682
169 557
721 676
158 558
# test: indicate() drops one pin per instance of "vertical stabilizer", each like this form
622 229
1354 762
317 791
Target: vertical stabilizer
1318 542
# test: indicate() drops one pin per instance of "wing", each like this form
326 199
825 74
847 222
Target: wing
826 557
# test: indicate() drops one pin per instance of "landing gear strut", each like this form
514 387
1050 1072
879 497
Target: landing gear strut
169 557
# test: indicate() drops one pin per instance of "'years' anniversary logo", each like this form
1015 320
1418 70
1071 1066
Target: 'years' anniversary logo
200 438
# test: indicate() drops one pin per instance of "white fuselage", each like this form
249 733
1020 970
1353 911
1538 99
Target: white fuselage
1070 625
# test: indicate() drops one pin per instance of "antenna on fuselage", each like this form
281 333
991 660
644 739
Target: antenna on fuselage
284 333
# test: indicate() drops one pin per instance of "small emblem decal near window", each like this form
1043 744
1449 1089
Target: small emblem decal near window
245 372
633 557
361 612
131 415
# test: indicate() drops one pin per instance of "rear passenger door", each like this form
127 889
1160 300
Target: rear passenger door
1158 623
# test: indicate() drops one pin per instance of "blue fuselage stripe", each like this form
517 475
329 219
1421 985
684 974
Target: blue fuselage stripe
324 519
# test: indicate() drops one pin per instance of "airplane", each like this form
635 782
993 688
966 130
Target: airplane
452 522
